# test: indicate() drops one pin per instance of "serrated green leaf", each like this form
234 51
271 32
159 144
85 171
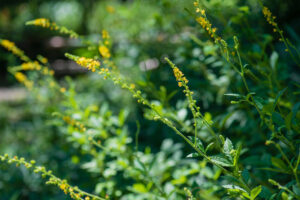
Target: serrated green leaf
199 144
227 147
229 186
221 160
255 192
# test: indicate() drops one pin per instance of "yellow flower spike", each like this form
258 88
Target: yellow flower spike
75 124
180 78
10 46
88 63
23 79
45 23
20 77
28 66
104 51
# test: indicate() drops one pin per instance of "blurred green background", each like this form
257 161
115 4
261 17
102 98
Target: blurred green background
143 32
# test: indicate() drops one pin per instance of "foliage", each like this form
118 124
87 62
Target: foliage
234 115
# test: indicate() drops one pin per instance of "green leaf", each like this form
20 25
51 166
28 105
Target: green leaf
245 175
296 190
237 154
228 147
280 93
259 102
278 163
288 120
122 117
244 9
193 155
284 196
295 109
179 181
221 160
234 187
273 59
250 94
234 95
209 146
199 144
255 192
277 119
139 187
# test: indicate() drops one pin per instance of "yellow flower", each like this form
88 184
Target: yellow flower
105 34
28 66
44 60
7 44
62 90
179 77
268 15
203 21
89 63
66 119
20 77
10 46
110 9
43 22
64 187
23 79
104 51
132 86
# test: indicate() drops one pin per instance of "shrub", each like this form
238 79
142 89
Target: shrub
239 123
